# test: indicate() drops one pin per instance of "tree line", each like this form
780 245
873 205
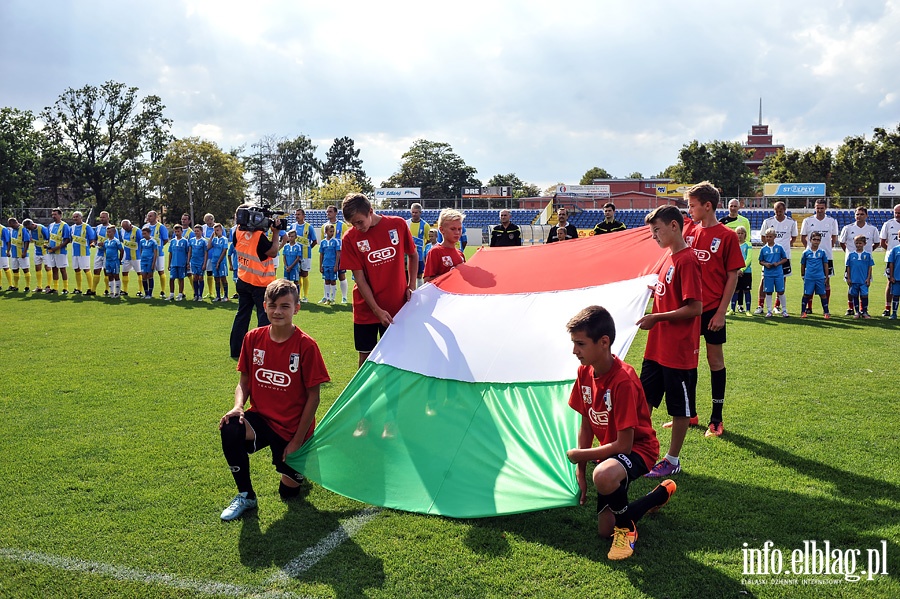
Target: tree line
106 148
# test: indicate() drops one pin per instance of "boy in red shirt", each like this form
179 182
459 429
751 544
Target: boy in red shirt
719 252
673 338
373 249
281 370
445 256
608 395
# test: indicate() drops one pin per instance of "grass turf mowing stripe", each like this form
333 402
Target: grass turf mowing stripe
204 587
309 558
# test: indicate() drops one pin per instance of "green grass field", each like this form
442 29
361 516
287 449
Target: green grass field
113 478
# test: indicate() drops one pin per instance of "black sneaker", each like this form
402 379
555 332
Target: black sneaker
89 292
886 313
106 293
65 292
27 290
77 292
849 312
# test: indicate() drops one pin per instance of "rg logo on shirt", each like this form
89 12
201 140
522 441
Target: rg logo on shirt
598 418
382 255
702 255
272 377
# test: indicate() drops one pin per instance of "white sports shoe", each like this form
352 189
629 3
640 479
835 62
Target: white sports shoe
758 310
238 506
179 297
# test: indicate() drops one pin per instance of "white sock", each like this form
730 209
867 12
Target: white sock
768 302
672 459
783 304
344 289
332 291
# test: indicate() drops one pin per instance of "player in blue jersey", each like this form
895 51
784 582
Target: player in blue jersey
113 251
83 238
148 250
19 240
39 237
771 257
892 270
197 258
858 275
232 260
178 252
130 236
4 257
329 258
292 252
420 231
57 251
209 231
306 239
331 214
99 258
814 270
218 248
160 235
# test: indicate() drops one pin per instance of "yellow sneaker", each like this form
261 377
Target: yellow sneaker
622 543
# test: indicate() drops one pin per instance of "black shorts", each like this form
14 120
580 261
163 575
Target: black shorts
634 468
713 337
744 282
365 336
786 267
266 437
678 386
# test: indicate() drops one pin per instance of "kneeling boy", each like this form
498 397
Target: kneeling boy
281 370
609 397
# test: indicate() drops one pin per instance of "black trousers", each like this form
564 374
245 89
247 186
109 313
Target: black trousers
248 296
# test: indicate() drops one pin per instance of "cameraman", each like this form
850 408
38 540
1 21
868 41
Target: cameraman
255 270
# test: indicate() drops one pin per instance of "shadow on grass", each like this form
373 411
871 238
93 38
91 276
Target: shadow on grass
709 520
348 571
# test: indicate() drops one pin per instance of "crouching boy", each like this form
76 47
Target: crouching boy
609 397
281 370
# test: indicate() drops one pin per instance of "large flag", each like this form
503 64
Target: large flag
461 409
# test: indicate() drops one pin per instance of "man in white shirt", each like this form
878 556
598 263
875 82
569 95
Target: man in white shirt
849 233
785 235
889 231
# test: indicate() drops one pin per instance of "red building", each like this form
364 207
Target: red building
759 141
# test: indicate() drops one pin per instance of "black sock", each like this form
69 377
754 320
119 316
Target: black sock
287 492
235 450
717 383
639 507
617 501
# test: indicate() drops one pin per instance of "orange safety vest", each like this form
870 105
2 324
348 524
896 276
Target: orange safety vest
251 269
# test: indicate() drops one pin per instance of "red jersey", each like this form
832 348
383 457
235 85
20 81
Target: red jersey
613 402
441 259
280 374
676 343
379 254
719 251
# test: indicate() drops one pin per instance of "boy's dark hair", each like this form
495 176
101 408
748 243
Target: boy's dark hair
609 205
355 203
279 288
595 322
704 192
666 214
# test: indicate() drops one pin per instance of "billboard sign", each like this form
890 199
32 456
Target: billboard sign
590 191
499 191
889 189
398 193
671 190
788 190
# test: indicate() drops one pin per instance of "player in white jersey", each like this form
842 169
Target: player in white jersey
828 228
851 231
889 231
785 229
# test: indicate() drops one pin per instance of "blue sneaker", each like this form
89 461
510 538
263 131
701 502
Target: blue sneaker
237 507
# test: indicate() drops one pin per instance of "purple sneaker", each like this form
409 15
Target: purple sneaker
663 468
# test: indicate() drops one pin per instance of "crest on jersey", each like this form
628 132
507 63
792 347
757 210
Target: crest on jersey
714 246
607 399
690 240
294 363
363 245
447 261
395 237
669 274
259 356
586 396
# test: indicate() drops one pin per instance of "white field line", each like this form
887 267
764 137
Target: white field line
204 587
309 558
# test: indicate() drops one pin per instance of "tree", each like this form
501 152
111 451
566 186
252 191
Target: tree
720 162
20 147
813 165
335 189
111 135
435 168
343 158
594 173
199 169
636 175
854 173
520 189
282 170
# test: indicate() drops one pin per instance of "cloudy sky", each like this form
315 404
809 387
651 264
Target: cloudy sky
542 89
